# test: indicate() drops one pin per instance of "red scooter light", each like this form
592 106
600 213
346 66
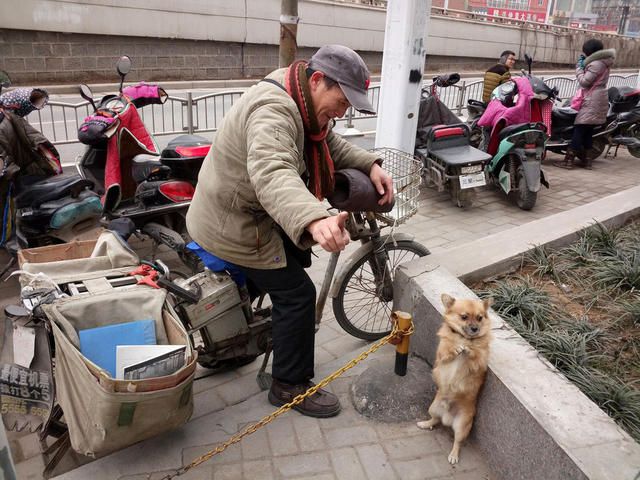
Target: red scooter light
177 191
200 151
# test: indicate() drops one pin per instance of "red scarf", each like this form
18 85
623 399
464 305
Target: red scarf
316 151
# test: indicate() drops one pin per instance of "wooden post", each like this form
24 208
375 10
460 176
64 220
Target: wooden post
288 32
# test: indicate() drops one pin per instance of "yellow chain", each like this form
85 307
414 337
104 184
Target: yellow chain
288 406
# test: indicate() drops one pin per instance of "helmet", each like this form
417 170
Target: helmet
506 93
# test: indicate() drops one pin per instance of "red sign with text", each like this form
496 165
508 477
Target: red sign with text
517 14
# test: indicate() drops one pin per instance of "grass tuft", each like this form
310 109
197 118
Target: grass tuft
600 277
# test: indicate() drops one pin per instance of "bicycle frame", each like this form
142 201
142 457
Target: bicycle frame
364 227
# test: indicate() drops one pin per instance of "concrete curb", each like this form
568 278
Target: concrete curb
531 422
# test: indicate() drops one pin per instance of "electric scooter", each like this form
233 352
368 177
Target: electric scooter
621 127
41 206
518 148
135 181
444 146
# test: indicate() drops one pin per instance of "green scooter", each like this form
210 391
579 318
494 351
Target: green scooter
518 148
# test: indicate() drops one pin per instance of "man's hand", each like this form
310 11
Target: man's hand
382 182
330 232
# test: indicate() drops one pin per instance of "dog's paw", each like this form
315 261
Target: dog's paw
426 425
460 349
453 458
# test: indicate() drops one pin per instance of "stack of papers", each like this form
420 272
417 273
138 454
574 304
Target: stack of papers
99 344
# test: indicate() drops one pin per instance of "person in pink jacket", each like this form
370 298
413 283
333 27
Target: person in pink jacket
592 74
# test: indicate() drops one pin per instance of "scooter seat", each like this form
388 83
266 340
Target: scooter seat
461 155
143 165
564 113
52 188
511 129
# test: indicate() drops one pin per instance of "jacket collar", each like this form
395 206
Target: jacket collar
600 55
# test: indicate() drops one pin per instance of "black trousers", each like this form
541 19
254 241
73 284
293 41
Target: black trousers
582 137
293 297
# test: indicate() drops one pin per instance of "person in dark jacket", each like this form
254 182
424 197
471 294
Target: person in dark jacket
592 75
498 74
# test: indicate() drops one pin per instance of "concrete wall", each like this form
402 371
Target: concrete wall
55 41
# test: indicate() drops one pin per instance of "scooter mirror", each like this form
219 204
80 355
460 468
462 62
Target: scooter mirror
123 65
529 60
5 81
87 94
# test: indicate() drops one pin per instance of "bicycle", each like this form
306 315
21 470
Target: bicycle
362 291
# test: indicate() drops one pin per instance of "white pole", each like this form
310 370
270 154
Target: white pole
638 80
549 2
402 68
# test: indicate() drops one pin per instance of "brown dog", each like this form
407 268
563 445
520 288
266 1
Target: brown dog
461 364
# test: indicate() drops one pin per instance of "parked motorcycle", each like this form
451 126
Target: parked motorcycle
519 115
621 127
134 179
40 205
444 146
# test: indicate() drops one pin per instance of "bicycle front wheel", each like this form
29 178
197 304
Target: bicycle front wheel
358 307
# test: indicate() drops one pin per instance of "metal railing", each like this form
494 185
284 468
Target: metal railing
60 121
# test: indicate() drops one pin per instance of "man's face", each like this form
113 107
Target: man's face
511 61
328 102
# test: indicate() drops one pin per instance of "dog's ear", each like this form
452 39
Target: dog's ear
488 302
447 300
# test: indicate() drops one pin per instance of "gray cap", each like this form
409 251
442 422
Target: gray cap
345 66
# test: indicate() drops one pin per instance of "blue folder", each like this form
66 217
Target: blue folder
99 344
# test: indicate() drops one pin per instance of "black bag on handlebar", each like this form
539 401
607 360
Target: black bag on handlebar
354 192
97 129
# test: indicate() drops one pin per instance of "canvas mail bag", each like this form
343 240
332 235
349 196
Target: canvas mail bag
104 414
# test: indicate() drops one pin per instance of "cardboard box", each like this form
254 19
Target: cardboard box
55 253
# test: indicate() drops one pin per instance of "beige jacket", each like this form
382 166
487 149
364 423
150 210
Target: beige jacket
250 182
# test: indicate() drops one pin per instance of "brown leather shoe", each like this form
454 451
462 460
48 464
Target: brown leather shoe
321 404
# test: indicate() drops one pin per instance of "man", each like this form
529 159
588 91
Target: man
498 74
258 200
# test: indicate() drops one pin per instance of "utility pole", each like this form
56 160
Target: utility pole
288 32
402 68
622 27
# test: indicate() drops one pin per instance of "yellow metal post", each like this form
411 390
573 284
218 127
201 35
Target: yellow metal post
402 348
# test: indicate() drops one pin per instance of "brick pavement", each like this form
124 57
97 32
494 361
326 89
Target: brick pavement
348 444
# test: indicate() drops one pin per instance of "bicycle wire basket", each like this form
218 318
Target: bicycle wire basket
405 170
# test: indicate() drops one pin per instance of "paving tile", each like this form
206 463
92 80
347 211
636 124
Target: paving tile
412 447
346 463
227 472
281 437
207 402
376 463
206 379
231 454
238 390
257 470
352 435
302 464
255 446
427 467
308 433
